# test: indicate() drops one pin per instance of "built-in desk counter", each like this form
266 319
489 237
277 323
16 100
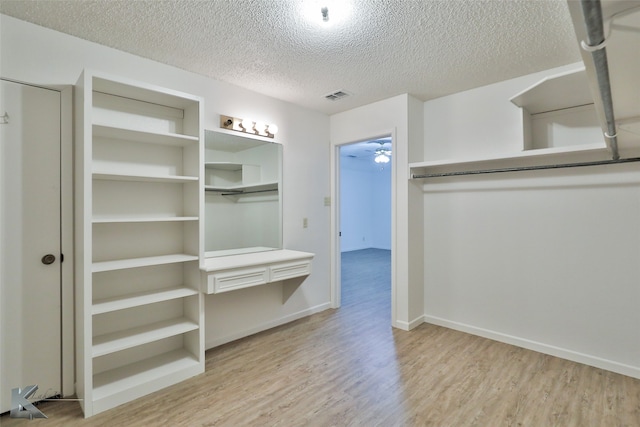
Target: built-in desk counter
228 273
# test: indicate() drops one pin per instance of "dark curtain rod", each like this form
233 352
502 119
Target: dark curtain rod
527 168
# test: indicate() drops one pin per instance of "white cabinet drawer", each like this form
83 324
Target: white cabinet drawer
227 273
237 279
290 270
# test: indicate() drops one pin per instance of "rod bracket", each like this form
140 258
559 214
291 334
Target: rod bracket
594 48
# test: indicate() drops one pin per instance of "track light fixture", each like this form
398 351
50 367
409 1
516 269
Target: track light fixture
248 126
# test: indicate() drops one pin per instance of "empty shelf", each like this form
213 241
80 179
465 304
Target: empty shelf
113 220
141 262
126 134
116 381
142 298
121 340
115 176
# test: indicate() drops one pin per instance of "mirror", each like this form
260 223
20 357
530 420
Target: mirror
242 178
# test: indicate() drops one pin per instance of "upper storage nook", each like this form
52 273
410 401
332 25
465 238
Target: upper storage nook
559 112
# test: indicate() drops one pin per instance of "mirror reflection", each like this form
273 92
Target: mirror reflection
242 194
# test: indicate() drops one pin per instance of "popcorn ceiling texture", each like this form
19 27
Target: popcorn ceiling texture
385 48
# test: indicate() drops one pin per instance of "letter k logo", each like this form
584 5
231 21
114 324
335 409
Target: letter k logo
21 407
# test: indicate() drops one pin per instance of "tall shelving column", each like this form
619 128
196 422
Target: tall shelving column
139 204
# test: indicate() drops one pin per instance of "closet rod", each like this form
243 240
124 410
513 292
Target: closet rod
595 44
241 193
527 168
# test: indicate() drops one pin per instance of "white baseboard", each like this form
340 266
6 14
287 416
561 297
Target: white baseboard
407 326
609 365
267 325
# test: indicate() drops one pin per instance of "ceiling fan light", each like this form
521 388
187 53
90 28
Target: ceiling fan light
381 158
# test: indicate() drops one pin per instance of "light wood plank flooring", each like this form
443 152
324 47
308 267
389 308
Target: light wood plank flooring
348 367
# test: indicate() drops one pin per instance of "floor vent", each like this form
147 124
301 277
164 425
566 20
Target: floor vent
339 94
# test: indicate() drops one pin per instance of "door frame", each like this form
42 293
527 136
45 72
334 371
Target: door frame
67 317
336 263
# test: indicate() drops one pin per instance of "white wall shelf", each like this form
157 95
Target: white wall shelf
139 204
590 152
121 340
108 305
145 137
558 92
121 264
558 112
114 220
136 378
114 176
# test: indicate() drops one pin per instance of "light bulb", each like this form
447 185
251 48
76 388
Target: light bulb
381 158
272 129
261 128
247 125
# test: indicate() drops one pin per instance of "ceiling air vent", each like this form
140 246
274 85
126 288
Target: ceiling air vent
339 94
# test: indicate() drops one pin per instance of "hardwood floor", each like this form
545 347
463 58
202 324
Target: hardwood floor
348 367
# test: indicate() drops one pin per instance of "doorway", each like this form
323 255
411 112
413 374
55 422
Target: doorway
35 145
364 179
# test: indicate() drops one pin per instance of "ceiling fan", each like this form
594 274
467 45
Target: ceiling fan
382 154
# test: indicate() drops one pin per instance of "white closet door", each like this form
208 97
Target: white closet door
30 226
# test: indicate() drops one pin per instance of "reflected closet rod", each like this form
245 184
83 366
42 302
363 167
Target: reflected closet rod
527 168
595 44
239 193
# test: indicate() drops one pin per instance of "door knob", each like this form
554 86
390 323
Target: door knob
48 259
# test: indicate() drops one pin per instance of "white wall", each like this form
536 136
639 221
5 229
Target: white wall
38 55
365 206
381 209
548 260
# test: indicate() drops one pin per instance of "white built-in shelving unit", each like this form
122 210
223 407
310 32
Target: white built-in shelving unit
139 204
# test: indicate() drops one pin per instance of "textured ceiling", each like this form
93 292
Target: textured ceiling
376 50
